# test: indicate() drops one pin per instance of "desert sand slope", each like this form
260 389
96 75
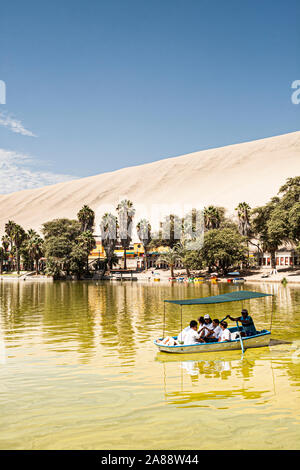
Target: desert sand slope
251 172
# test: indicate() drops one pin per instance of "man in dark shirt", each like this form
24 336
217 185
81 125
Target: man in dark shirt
247 323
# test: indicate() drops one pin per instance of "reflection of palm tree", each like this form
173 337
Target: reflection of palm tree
125 214
144 232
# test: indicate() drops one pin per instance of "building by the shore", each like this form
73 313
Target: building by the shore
134 256
286 256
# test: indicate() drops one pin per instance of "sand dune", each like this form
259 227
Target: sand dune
250 172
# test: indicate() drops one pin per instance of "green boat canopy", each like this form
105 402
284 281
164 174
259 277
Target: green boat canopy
219 299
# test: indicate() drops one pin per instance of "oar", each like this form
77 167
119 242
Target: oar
240 335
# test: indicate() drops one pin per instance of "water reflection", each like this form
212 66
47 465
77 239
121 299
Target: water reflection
236 378
81 367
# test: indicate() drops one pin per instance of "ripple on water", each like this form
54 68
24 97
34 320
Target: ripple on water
80 370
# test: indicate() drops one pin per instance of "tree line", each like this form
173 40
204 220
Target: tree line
200 239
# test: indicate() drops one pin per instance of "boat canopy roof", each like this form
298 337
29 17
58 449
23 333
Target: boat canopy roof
219 299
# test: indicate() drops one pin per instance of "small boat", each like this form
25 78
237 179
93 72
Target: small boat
238 280
235 278
262 338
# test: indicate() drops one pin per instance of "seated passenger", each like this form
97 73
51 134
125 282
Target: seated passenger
167 341
192 337
225 333
213 335
207 326
201 324
182 334
247 323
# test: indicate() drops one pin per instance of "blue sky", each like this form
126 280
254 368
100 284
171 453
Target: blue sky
94 86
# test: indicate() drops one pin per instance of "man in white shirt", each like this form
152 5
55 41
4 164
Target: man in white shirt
192 337
225 334
208 325
213 334
182 334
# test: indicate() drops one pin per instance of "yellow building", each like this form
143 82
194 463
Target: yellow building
134 254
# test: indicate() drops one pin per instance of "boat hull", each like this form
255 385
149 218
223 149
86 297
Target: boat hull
257 341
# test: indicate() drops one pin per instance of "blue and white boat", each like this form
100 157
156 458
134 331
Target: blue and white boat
262 338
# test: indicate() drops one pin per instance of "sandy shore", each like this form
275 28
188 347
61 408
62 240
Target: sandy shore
292 276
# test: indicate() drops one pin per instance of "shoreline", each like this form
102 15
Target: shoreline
164 278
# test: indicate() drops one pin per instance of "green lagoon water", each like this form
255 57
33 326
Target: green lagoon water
78 369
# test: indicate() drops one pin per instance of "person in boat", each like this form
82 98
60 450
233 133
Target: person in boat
184 337
225 333
201 324
208 325
214 333
182 334
247 323
192 336
167 341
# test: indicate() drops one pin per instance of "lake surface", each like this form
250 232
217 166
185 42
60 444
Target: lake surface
78 369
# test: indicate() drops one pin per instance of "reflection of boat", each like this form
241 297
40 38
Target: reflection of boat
196 384
262 338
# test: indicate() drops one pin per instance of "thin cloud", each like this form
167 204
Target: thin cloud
17 172
14 125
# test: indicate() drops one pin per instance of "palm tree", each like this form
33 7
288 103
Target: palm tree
86 217
9 228
213 217
143 229
243 209
183 255
35 247
18 237
5 242
88 243
125 215
2 255
170 258
108 227
171 229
